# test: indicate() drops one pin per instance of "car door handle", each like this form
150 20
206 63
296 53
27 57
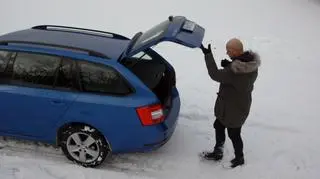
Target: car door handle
56 102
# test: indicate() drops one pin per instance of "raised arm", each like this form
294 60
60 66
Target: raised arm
219 75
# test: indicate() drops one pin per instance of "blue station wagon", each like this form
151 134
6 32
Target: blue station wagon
90 92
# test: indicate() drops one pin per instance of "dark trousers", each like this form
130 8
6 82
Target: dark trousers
233 133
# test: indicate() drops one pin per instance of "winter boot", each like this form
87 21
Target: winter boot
236 162
216 155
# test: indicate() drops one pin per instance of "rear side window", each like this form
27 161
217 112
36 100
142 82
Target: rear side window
4 59
36 69
98 78
66 78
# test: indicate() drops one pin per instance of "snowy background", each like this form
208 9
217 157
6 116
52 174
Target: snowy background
280 135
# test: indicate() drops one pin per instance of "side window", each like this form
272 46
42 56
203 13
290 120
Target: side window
65 75
142 56
36 69
4 59
5 72
101 79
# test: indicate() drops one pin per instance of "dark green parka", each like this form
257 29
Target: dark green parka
234 99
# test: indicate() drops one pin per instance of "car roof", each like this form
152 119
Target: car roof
106 44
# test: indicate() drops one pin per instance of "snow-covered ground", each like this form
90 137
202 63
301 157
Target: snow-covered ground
281 134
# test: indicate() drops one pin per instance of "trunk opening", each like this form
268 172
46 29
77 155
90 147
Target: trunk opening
155 73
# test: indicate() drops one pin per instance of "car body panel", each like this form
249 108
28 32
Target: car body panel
38 113
177 29
31 111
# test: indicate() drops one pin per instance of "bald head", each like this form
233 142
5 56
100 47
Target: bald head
234 47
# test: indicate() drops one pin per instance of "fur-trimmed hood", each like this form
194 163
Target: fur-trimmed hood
246 63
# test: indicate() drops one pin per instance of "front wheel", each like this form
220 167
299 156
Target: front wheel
84 145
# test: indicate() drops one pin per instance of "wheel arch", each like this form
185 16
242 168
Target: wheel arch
68 124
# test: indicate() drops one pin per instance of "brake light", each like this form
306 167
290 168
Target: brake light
151 115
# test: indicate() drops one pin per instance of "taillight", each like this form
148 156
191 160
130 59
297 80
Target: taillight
151 115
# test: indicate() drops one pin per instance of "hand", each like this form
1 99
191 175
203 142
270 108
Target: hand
206 50
225 63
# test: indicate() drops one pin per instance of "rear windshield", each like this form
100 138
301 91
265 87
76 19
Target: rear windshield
152 34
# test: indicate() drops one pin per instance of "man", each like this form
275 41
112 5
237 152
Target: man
233 102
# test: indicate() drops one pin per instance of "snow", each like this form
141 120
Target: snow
280 133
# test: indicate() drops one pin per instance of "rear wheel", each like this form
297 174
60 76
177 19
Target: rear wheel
84 145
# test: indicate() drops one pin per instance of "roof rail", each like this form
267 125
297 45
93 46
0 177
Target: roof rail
80 30
90 52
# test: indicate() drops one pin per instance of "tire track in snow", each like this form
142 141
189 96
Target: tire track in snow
130 164
194 116
274 128
48 172
6 172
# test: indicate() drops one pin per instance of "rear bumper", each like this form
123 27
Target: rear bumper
164 136
148 138
157 136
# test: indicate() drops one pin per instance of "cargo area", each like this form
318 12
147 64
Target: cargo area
154 72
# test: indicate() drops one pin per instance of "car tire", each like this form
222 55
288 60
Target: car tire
84 145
